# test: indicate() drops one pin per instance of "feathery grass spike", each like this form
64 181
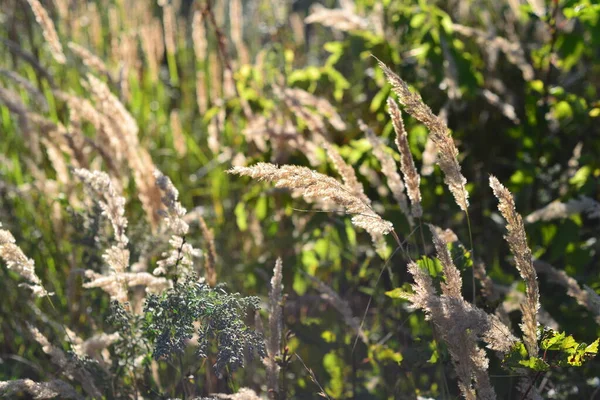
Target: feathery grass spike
453 284
48 30
275 327
440 135
18 262
389 169
313 185
39 390
210 253
459 325
346 171
412 179
517 241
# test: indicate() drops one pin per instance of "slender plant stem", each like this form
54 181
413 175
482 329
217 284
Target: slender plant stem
181 374
422 235
172 64
471 250
208 13
135 383
313 377
553 38
407 257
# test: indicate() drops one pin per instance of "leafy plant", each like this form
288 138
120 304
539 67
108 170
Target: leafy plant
169 323
559 350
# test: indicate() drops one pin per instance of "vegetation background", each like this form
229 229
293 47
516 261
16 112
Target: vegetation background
201 86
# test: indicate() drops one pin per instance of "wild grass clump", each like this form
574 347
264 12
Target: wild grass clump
139 260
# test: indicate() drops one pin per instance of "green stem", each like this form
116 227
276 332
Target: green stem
173 74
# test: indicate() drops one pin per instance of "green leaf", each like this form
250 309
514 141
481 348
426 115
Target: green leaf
379 98
397 293
417 20
261 208
289 56
350 233
593 348
521 178
581 176
299 284
435 354
431 265
311 74
535 363
328 336
310 261
386 355
568 343
339 82
336 49
554 342
537 85
562 110
334 366
516 354
241 217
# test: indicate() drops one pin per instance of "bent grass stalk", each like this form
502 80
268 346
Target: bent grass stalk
441 136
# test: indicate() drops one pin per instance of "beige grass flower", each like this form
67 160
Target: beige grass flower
110 201
16 261
341 19
199 36
67 365
113 207
48 30
389 169
89 59
412 179
460 325
513 50
210 252
585 296
346 172
517 241
179 140
39 390
440 134
313 185
559 210
182 254
453 284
